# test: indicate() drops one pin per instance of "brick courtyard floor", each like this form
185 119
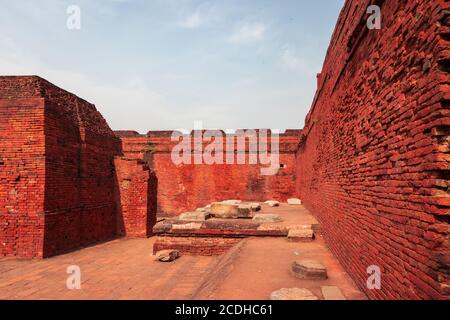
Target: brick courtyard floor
124 269
121 269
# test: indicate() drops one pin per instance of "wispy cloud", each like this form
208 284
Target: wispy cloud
193 21
292 60
247 33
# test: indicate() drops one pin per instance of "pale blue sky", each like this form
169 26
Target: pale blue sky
162 64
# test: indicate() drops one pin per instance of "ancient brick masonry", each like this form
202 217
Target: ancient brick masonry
22 168
374 162
188 186
57 177
137 187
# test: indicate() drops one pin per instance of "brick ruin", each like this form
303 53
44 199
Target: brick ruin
372 162
190 186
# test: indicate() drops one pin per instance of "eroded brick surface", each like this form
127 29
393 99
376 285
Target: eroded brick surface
373 165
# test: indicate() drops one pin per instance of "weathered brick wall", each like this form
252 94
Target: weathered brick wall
373 164
22 168
136 198
188 186
80 181
58 176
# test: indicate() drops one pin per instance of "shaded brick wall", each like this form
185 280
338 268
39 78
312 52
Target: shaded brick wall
137 187
80 181
185 187
373 165
58 174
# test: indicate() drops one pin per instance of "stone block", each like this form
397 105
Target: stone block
245 211
167 255
309 270
272 203
232 201
332 293
301 235
293 294
294 201
224 210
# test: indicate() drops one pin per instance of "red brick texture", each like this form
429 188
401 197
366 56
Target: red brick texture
137 198
373 165
22 174
80 203
202 246
188 186
56 174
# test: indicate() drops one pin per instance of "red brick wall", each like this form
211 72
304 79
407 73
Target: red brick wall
58 175
374 162
186 187
22 168
80 181
137 198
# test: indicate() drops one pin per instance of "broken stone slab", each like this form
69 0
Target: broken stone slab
224 210
267 218
232 201
167 255
231 211
162 227
255 207
332 293
245 211
301 235
293 294
294 201
309 270
187 226
272 203
194 216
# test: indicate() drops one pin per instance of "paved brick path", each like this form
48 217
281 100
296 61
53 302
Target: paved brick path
122 269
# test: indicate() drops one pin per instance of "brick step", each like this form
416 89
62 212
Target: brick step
232 229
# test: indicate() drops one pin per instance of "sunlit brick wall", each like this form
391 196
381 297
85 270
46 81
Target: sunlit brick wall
374 162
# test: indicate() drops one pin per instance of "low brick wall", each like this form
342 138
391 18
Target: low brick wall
202 246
